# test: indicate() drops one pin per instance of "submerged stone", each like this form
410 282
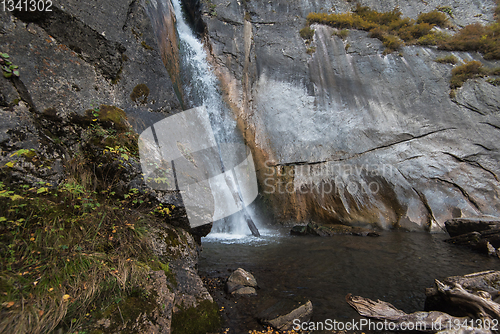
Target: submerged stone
245 291
282 315
330 230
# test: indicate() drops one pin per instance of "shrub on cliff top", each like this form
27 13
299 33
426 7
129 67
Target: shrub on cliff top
392 43
474 37
389 27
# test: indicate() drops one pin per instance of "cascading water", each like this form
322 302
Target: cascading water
201 87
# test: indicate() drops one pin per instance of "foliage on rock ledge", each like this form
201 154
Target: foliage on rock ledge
470 70
389 27
71 252
395 31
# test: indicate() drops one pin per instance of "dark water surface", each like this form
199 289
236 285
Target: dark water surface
395 267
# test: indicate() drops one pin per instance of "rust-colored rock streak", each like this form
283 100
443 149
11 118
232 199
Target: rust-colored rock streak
164 23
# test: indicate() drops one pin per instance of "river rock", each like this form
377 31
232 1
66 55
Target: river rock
330 230
239 280
282 314
460 226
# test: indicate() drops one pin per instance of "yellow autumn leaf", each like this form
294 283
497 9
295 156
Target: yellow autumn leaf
10 164
51 289
66 298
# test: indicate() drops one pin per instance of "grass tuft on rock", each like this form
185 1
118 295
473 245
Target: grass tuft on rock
469 70
306 33
450 59
205 318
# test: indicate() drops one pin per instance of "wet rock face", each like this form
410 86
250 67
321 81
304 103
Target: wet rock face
347 134
73 59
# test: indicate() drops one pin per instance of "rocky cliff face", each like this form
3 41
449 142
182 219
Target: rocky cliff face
87 70
344 133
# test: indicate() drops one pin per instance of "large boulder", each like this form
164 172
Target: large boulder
241 282
143 315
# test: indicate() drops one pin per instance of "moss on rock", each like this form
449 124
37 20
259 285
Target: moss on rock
204 318
140 94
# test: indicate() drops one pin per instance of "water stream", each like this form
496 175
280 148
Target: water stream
201 87
395 267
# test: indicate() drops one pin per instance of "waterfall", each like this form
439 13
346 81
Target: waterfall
201 87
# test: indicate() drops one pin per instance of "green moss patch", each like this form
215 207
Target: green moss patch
306 33
204 318
113 114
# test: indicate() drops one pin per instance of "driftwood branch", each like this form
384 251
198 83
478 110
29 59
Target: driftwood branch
422 321
472 293
481 301
378 310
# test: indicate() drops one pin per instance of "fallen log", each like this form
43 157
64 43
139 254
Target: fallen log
459 226
480 302
476 283
470 293
252 227
486 241
421 321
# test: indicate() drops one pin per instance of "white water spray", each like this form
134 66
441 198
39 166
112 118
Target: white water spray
202 88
